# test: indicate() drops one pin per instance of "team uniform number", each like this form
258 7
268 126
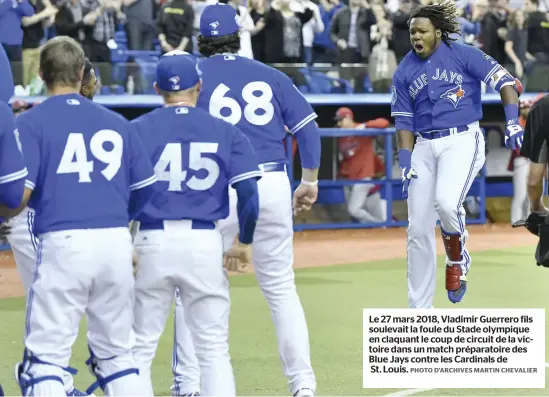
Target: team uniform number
75 156
258 110
172 158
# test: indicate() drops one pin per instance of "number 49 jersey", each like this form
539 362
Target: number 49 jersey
83 161
257 98
195 157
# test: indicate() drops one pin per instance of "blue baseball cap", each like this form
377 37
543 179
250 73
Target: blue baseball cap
218 20
177 71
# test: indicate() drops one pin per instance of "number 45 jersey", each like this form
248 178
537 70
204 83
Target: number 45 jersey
257 98
196 157
84 164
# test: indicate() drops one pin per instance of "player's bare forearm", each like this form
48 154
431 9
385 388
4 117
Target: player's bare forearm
405 139
508 95
535 186
309 174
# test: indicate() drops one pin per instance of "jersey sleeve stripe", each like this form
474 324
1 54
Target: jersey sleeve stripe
30 184
404 114
490 73
143 183
303 122
14 176
244 176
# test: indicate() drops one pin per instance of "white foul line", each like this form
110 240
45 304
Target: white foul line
411 392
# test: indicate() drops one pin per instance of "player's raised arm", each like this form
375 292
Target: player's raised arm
299 117
12 166
402 110
243 175
486 69
142 177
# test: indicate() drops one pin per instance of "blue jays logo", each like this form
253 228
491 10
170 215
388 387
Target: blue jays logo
454 95
214 26
394 95
175 82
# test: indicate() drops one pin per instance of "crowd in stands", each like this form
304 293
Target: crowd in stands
356 44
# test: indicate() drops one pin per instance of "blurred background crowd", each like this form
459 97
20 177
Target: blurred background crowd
326 46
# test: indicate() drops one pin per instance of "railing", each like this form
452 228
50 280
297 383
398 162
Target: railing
390 188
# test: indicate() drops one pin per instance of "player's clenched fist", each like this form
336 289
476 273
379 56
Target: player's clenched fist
238 258
405 163
513 135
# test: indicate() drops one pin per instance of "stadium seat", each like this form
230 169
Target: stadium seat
320 83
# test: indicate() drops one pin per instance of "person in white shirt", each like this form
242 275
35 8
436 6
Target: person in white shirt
247 27
315 25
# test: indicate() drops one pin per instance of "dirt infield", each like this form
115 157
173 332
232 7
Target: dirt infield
338 247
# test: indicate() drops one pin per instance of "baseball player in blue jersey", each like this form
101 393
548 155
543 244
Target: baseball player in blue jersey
261 101
178 243
24 243
88 175
12 167
437 97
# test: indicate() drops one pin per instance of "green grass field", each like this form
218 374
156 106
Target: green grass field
333 298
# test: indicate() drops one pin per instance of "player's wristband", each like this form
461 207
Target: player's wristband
511 112
307 183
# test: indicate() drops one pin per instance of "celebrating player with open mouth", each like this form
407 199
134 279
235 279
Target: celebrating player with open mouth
437 97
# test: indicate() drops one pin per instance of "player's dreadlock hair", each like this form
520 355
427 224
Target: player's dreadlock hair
443 16
209 46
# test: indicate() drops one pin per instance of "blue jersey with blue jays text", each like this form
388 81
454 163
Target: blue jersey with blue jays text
83 162
444 90
12 165
195 157
257 98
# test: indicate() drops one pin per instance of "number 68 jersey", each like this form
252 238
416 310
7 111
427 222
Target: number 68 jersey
256 98
83 162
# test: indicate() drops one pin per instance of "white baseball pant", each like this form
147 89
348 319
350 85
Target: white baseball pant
184 256
82 271
273 264
24 245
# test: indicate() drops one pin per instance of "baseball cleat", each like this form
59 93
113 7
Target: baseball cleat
456 283
193 394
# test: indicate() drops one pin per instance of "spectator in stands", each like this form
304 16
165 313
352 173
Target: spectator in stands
11 35
284 31
258 11
198 6
516 45
358 161
313 26
383 61
350 30
69 21
102 17
140 27
33 33
175 26
493 30
324 49
470 26
401 44
247 27
538 46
